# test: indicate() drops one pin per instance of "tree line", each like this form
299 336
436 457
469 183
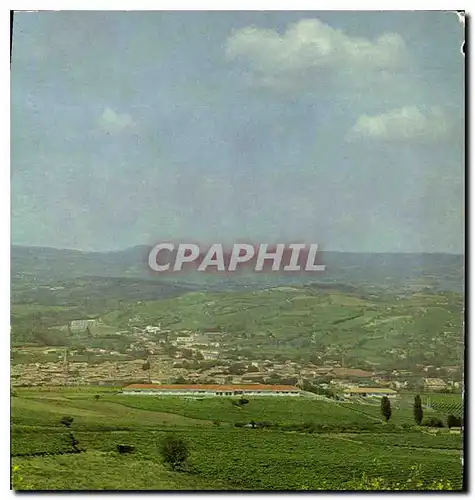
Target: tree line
452 420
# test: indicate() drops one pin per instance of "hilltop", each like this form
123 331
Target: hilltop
392 271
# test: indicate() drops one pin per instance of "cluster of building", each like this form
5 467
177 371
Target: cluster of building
205 359
75 373
210 339
82 325
214 368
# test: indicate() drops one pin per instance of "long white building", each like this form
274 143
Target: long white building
211 390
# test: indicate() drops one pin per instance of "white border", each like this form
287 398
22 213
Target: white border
295 5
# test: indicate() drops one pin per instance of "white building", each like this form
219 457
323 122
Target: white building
369 392
184 340
210 355
152 329
211 390
81 325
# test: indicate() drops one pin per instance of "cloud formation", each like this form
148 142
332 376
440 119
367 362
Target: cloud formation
314 49
111 122
408 123
193 152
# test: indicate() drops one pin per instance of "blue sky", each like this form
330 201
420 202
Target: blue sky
338 128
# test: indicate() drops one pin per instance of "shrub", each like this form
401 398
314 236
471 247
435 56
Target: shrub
264 425
453 421
290 427
175 452
308 427
74 442
240 402
67 421
433 422
267 425
125 448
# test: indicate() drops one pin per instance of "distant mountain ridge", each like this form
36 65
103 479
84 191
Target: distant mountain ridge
395 271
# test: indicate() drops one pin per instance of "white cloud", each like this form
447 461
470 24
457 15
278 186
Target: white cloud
313 49
115 123
408 123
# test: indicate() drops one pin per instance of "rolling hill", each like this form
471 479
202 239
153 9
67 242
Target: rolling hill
444 272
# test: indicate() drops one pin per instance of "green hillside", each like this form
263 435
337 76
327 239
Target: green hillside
377 329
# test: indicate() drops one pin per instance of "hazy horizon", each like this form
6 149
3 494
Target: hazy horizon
144 245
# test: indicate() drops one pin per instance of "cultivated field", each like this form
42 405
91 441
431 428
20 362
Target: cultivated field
306 444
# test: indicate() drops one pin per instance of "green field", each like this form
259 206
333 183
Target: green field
349 444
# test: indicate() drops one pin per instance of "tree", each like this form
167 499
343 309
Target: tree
80 349
146 366
174 451
125 448
180 380
237 369
386 408
418 412
314 359
252 368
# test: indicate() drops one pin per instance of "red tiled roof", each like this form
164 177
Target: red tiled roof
215 387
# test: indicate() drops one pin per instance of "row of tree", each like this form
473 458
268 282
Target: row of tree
452 421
